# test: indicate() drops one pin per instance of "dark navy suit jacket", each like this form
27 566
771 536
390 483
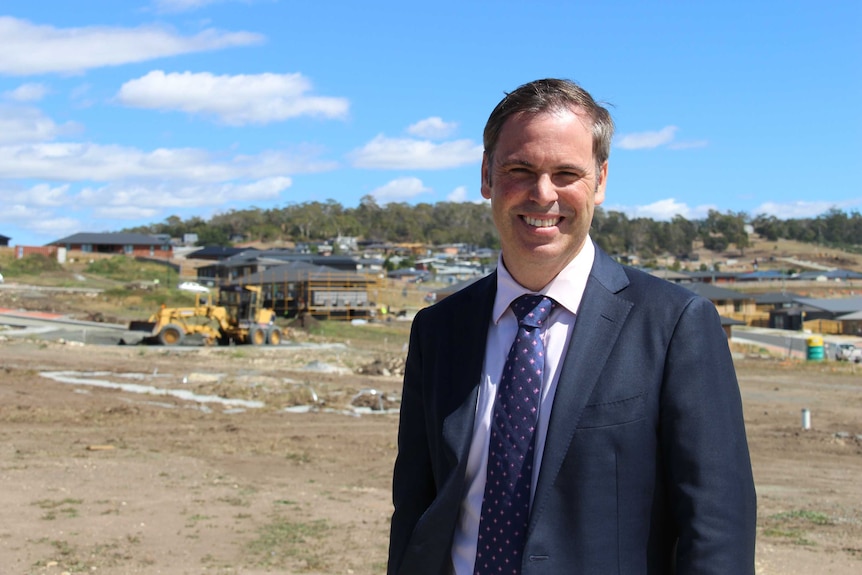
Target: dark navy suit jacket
646 468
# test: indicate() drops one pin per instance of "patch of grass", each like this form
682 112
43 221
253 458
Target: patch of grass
55 508
383 336
235 501
804 516
125 269
66 555
302 457
285 544
793 525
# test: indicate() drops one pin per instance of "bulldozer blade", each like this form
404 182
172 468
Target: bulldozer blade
147 326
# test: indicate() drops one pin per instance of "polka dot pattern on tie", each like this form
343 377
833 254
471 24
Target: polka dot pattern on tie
506 505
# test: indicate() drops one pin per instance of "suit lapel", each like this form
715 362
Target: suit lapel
598 324
467 353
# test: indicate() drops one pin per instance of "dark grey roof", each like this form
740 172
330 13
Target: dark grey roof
833 305
762 275
300 271
670 275
714 293
112 239
776 298
215 253
277 256
699 275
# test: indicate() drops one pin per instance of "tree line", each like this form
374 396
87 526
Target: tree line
472 224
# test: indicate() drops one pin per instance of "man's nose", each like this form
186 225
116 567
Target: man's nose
543 191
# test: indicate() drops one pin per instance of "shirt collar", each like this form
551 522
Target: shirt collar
567 288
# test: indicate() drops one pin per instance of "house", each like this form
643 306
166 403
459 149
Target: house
4 240
250 261
118 243
297 287
828 315
729 303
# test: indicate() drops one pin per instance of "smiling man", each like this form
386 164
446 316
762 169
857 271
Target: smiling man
567 414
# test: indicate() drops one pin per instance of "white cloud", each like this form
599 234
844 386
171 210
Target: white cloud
41 195
400 189
405 153
38 49
798 209
27 93
174 6
26 125
662 210
651 140
233 100
96 163
459 194
433 128
647 140
54 227
137 200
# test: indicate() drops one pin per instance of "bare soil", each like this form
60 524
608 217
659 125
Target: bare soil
101 476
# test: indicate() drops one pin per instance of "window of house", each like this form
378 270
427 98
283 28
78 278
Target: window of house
128 249
87 248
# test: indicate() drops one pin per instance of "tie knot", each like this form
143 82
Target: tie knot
532 310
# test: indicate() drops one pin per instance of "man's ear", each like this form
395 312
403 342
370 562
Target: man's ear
486 177
601 182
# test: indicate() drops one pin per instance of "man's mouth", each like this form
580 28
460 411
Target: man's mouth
542 222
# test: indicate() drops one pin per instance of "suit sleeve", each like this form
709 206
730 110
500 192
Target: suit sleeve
710 484
413 487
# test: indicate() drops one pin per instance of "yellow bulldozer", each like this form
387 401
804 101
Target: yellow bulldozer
238 318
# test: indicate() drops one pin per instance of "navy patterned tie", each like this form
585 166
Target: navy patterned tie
506 505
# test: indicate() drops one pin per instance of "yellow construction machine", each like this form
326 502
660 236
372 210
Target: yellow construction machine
238 318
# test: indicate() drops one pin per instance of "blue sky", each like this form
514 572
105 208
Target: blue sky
121 113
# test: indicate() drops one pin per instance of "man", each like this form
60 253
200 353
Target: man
637 461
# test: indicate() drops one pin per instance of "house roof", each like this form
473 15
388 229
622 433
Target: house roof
215 253
713 275
842 305
831 275
112 239
762 275
776 297
300 271
278 256
670 275
714 293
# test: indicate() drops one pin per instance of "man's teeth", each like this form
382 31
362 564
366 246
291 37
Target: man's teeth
542 223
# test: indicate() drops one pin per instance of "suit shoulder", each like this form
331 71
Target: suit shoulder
654 287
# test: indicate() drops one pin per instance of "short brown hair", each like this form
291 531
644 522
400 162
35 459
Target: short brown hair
548 95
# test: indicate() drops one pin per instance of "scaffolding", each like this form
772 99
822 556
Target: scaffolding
333 294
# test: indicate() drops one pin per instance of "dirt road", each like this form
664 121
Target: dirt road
126 460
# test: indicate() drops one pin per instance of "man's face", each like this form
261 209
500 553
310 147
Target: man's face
543 185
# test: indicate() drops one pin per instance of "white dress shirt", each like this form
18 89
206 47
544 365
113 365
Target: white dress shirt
566 289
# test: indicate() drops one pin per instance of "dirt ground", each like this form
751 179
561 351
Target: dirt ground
241 460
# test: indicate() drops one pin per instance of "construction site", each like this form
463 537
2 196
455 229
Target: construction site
258 458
